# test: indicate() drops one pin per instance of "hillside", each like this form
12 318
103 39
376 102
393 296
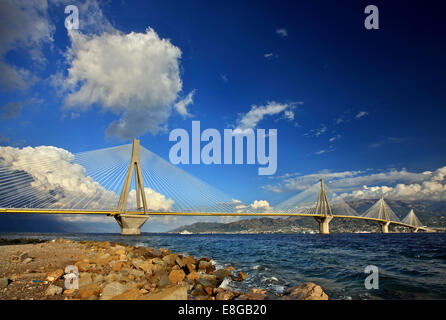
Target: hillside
432 214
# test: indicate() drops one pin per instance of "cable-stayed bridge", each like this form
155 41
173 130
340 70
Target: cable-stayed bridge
49 180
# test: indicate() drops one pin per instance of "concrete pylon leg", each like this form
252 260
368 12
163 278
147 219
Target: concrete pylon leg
385 227
130 224
414 230
324 227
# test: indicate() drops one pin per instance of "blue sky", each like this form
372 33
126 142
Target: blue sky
366 102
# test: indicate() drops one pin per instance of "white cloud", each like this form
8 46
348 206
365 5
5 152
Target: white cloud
260 205
361 114
257 113
317 132
282 32
24 26
135 76
51 179
335 137
224 78
181 106
155 201
270 55
393 184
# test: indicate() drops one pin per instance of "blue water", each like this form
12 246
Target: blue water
411 265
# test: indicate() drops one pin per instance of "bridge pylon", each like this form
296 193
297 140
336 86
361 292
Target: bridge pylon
131 223
323 209
384 215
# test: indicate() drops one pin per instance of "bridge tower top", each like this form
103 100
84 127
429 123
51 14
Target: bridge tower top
322 205
382 213
139 185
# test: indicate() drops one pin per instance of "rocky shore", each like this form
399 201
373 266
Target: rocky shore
114 271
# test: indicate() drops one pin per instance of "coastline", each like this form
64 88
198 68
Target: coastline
36 270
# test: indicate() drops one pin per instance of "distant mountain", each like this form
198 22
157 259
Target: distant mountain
431 213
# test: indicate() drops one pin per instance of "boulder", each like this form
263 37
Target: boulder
172 292
53 290
221 274
240 276
132 294
193 276
85 279
176 276
55 275
170 259
190 267
307 291
112 289
225 295
164 280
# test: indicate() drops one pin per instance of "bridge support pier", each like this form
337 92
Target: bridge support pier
324 227
385 226
414 230
130 223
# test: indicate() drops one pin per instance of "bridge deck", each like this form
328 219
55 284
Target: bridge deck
162 213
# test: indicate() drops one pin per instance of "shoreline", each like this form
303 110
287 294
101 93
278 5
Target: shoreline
32 269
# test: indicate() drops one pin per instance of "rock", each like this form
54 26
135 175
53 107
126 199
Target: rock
53 290
118 266
240 276
27 260
55 275
82 266
132 294
190 267
307 291
172 292
158 261
225 295
221 274
20 257
193 276
176 276
85 279
170 259
4 282
189 260
136 273
69 292
203 265
207 283
179 262
112 289
198 291
164 280
252 296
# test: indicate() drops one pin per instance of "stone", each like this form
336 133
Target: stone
307 291
179 262
221 274
189 260
69 292
176 276
240 276
198 291
193 276
225 295
164 280
170 259
207 283
203 265
55 275
82 266
172 292
4 282
20 257
112 289
132 294
27 260
190 267
158 261
53 290
136 273
85 279
117 266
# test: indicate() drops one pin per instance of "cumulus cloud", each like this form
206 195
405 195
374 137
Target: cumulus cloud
46 176
260 205
155 201
393 184
135 76
257 113
181 106
24 25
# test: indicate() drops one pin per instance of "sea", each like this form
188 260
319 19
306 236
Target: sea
409 265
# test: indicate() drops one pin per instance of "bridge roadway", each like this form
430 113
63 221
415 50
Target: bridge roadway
162 213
